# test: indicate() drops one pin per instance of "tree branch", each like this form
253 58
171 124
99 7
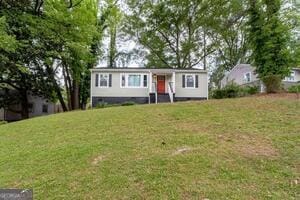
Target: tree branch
76 4
149 46
10 84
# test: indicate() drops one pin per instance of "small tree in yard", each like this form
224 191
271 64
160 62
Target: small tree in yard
269 38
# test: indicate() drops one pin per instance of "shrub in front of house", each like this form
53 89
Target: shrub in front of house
294 89
128 103
102 105
3 122
234 91
230 91
107 105
251 90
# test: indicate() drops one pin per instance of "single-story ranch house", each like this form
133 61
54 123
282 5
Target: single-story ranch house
144 85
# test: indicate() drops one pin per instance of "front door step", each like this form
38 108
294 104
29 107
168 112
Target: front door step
163 98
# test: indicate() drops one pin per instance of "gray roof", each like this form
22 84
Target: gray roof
153 70
249 65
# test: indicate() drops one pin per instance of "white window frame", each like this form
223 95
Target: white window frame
134 87
99 81
292 77
194 80
245 77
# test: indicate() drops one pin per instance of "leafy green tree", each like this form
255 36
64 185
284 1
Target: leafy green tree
47 39
74 32
269 38
293 15
229 32
7 42
20 76
174 33
113 22
116 53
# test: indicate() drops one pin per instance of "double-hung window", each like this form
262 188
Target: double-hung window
247 77
291 77
134 80
190 81
103 80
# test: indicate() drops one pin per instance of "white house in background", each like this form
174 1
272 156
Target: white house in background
244 74
37 107
144 85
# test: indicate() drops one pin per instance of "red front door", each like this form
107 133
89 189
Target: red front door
161 84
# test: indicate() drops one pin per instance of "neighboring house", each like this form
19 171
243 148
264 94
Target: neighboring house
143 85
244 74
37 107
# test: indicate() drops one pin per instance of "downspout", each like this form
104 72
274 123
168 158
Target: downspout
91 100
207 95
150 86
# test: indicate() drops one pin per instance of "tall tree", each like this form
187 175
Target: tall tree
76 33
230 33
116 51
48 38
19 74
174 33
293 17
113 23
269 38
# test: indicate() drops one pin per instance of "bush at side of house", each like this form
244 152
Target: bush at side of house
234 91
272 83
230 91
250 90
294 89
107 105
2 122
128 103
102 105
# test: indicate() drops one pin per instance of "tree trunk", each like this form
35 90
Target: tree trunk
69 89
204 48
24 105
177 47
75 95
112 48
60 98
57 89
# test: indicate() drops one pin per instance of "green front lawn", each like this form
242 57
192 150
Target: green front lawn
246 148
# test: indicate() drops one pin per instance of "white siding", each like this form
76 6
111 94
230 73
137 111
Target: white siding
116 90
200 92
236 75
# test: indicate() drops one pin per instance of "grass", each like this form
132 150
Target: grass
245 148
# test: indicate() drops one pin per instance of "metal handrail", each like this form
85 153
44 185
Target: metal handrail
171 87
154 89
171 91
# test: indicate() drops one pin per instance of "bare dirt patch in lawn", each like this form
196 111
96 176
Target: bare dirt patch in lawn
250 145
97 159
182 150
